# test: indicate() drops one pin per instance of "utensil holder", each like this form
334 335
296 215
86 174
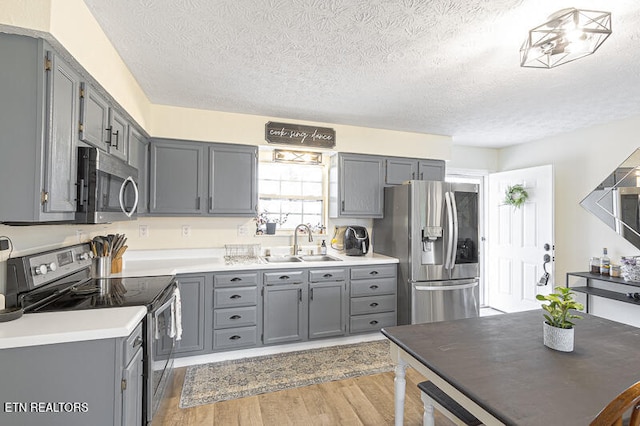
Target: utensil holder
102 267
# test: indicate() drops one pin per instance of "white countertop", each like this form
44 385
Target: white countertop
71 326
175 262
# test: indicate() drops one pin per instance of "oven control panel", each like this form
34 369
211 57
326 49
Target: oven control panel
52 265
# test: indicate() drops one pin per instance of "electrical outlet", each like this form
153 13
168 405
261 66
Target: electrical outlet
243 230
143 231
186 231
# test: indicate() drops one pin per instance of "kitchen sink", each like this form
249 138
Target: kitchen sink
319 258
282 259
307 258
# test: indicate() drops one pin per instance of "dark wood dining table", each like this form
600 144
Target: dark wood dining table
499 370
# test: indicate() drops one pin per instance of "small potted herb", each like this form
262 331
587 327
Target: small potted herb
558 328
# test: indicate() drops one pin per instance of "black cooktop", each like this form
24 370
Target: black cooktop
104 293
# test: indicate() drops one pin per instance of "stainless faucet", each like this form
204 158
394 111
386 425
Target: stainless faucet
296 249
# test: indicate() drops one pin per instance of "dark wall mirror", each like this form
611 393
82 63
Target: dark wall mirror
616 201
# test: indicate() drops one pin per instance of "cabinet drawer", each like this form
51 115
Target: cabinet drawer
236 279
374 271
373 287
323 275
229 297
372 304
132 344
284 277
234 317
235 337
372 322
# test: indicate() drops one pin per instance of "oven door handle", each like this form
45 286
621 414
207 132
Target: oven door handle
135 202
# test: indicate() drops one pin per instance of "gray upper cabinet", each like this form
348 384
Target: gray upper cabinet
431 169
195 178
101 125
399 170
356 184
139 158
39 122
233 180
176 183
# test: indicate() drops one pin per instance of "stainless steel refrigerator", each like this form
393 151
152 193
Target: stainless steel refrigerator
432 228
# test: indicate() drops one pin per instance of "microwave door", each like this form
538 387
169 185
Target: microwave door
128 208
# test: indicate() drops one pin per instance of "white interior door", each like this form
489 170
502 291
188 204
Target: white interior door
517 239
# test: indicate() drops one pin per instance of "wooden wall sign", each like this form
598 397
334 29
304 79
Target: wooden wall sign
293 134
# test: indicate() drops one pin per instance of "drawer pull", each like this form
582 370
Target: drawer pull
235 337
373 305
285 277
374 322
235 317
373 287
235 296
327 276
137 341
373 273
235 279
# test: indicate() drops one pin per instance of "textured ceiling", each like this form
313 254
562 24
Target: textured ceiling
443 67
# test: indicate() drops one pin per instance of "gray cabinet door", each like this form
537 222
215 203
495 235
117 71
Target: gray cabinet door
431 169
399 170
233 180
132 392
285 317
192 295
327 313
61 147
139 158
119 138
361 185
176 177
94 118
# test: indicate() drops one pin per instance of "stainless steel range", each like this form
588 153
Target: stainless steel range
60 280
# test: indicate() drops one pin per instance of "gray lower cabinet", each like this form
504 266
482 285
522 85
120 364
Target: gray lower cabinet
195 178
285 295
94 382
372 298
356 184
236 311
132 379
327 303
192 295
39 132
399 170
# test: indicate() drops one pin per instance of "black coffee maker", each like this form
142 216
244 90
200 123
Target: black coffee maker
356 241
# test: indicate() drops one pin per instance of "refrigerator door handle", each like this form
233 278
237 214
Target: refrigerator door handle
444 287
454 242
447 258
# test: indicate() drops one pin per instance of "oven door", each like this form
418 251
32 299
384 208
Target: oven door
161 344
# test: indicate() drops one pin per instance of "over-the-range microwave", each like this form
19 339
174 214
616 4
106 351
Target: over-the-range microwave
107 188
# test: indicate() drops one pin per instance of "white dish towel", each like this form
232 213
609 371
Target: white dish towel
176 314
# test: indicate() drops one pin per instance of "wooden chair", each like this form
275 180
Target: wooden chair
612 414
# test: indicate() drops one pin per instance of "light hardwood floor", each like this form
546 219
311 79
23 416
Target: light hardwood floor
366 400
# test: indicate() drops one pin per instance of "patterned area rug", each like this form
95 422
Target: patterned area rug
221 381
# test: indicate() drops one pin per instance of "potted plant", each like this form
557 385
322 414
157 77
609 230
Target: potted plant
558 327
266 224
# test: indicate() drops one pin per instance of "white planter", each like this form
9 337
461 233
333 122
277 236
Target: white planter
560 339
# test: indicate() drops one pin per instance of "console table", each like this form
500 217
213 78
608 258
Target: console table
592 289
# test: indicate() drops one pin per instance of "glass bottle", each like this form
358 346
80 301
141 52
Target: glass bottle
605 263
323 248
594 265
